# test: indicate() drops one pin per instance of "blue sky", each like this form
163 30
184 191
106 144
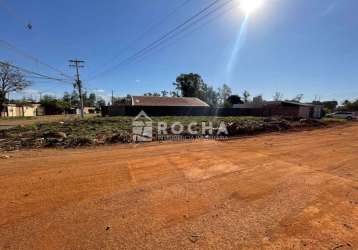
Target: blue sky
290 46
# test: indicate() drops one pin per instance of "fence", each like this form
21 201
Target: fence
178 111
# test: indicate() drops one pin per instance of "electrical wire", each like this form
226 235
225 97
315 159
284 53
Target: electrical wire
34 74
33 58
214 18
152 27
167 35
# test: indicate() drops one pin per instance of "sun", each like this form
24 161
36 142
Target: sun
249 6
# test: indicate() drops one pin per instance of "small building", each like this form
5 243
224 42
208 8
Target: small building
292 109
22 110
285 109
86 110
160 106
157 101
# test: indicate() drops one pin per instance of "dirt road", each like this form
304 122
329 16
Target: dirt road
292 191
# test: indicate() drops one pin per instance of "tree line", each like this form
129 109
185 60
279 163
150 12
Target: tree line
185 85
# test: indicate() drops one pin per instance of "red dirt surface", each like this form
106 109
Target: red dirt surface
278 191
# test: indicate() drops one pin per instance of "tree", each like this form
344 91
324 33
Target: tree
54 106
278 96
233 99
11 80
349 106
66 98
174 94
100 102
121 101
209 95
246 96
190 85
224 93
164 93
91 100
75 99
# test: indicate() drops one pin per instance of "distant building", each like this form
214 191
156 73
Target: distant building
285 109
157 101
86 110
160 106
22 110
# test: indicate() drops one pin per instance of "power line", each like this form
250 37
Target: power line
33 58
181 31
148 30
187 33
34 74
163 37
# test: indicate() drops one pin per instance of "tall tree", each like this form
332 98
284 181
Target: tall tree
209 95
224 93
246 96
11 80
190 85
75 99
91 100
232 100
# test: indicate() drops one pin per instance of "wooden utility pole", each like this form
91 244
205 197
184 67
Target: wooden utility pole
77 64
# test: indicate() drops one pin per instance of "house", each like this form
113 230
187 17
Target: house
86 110
293 109
157 101
22 110
285 109
159 106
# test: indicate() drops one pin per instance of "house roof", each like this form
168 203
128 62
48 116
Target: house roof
168 101
288 103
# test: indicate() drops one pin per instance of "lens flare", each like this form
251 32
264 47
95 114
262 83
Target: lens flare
249 6
240 40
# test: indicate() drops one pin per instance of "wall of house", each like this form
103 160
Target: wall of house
178 111
305 112
283 111
289 111
23 111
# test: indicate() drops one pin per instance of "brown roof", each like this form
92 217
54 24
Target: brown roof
167 101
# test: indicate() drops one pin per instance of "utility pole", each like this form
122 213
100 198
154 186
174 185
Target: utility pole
77 64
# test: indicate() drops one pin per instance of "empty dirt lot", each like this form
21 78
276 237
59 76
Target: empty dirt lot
292 191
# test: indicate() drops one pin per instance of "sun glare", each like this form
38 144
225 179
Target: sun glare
249 6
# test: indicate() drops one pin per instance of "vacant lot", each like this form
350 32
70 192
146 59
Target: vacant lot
70 132
290 191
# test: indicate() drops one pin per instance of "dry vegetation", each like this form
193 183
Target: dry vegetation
70 131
